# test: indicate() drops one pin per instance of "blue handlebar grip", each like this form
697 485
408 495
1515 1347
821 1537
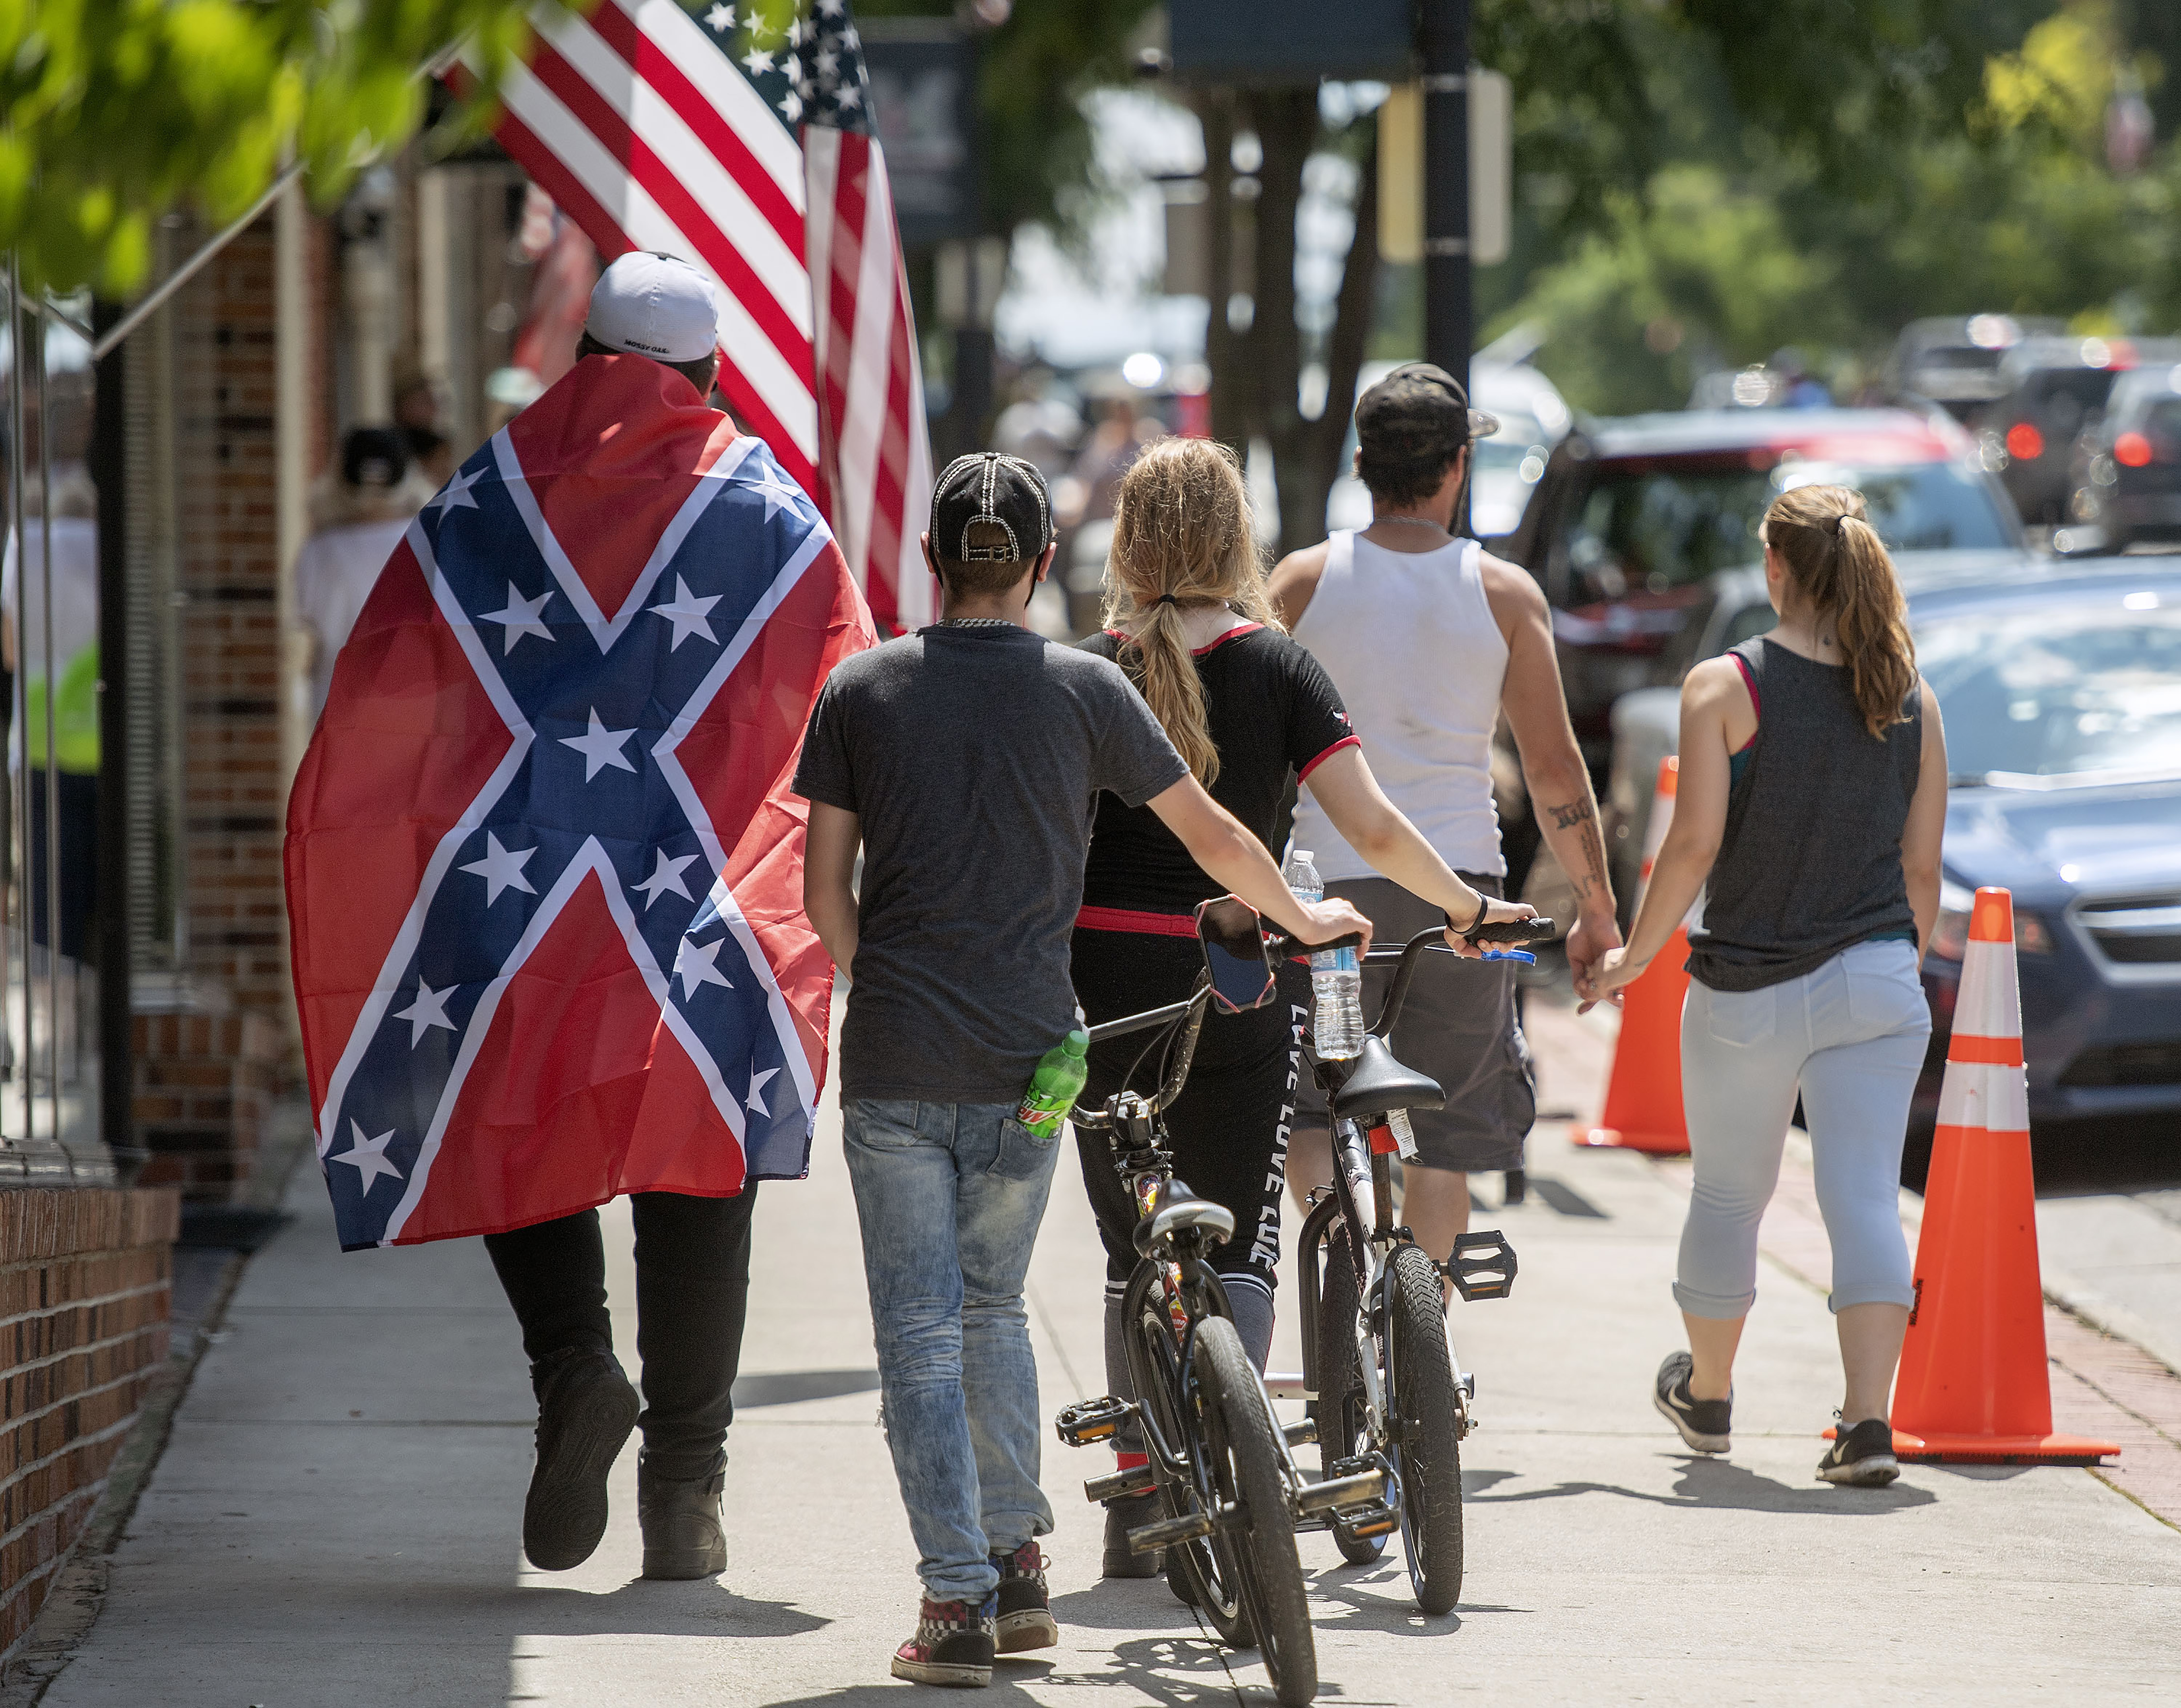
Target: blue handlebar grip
1509 955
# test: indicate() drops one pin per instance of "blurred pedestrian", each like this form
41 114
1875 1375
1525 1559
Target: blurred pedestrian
1430 640
420 416
72 519
1188 620
367 513
1813 797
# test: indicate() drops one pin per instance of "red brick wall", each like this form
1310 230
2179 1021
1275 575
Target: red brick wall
204 1080
83 1276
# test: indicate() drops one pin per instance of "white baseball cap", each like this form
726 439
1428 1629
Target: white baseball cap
656 305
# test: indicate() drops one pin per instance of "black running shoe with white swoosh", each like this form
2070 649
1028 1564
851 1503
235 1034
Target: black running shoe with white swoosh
1861 1457
1703 1424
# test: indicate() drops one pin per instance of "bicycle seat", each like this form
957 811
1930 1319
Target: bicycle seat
1378 1083
1183 1208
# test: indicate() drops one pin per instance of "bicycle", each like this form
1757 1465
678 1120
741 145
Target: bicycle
1388 1393
1233 1491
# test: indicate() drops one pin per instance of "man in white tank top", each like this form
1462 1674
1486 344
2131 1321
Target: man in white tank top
1429 640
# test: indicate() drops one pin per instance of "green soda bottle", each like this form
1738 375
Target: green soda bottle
1057 1082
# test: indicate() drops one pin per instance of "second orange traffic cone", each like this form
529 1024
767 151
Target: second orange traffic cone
1643 1093
1974 1383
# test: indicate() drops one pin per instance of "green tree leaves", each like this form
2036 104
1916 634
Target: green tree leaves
117 110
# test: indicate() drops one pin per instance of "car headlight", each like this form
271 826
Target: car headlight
1950 936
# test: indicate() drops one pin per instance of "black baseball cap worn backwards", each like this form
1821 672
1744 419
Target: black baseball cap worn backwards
986 487
1424 406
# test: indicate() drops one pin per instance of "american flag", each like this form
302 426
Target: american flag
739 137
544 871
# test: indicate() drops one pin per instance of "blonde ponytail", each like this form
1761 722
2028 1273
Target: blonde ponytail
1183 535
1823 534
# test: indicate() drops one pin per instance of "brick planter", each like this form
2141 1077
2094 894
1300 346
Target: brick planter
84 1304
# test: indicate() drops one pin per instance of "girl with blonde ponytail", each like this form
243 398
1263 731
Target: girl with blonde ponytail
1189 621
1811 802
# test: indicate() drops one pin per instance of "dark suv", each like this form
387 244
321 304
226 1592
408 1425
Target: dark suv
1633 517
2127 473
2056 387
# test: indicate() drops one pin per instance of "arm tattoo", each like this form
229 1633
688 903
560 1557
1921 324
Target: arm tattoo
1582 817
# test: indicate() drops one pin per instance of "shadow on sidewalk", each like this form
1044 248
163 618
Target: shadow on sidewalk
1174 1672
697 1608
1719 1483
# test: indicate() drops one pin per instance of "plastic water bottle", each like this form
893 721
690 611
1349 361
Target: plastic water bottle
1336 980
1061 1076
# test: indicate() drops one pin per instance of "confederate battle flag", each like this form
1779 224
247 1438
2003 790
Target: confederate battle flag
545 873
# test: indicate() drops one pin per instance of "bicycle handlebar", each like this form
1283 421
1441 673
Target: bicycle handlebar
1409 954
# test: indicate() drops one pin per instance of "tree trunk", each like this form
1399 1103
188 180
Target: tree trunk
1287 127
1257 374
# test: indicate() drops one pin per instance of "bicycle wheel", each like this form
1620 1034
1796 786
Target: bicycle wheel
1428 1430
1200 1573
1340 1403
1241 1442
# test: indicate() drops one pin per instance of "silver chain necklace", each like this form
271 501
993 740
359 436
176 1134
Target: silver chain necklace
1418 521
977 623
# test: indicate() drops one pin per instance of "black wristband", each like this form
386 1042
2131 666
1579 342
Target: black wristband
1483 907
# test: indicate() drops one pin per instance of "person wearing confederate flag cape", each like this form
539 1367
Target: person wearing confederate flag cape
544 882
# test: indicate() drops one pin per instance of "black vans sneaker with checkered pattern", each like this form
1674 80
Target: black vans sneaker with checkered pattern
1024 1619
952 1645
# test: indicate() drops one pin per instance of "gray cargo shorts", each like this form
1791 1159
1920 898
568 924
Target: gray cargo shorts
1458 1025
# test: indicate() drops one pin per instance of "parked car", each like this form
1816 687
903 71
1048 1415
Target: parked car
1954 359
2061 688
2126 472
1533 420
1634 517
2055 387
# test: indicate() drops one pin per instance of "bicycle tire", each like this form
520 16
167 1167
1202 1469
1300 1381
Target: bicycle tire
1426 1410
1199 1572
1242 1438
1339 1407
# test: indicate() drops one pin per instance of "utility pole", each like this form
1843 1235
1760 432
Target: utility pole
1450 313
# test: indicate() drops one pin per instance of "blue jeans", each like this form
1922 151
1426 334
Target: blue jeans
950 1196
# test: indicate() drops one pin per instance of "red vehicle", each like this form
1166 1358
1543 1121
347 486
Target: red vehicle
1633 517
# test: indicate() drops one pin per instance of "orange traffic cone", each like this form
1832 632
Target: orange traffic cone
1643 1093
1972 1382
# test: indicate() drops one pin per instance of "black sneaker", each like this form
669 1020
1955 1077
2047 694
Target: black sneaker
1861 1457
1024 1619
953 1644
1123 1516
1703 1424
586 1408
684 1535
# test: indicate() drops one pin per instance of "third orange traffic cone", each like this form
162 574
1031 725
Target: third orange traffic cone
1974 1383
1643 1093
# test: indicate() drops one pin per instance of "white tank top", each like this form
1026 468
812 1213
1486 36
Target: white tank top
1410 640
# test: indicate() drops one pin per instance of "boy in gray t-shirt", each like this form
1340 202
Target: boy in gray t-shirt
964 761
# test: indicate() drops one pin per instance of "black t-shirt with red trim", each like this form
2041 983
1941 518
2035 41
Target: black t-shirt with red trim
1273 713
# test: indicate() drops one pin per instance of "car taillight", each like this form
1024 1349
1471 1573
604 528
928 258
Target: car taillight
2132 448
2024 443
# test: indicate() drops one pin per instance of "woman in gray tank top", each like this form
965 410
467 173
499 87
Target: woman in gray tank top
1812 797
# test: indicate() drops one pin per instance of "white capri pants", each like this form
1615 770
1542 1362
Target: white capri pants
1850 1035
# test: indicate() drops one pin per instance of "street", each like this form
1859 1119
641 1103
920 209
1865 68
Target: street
335 1517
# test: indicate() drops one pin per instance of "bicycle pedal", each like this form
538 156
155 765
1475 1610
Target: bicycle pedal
1376 1520
1303 1433
1481 1266
1091 1420
1169 1533
1120 1485
1355 1489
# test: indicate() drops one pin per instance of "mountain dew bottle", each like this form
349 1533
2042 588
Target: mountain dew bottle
1057 1082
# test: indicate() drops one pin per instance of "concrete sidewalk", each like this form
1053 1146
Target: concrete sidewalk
336 1518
